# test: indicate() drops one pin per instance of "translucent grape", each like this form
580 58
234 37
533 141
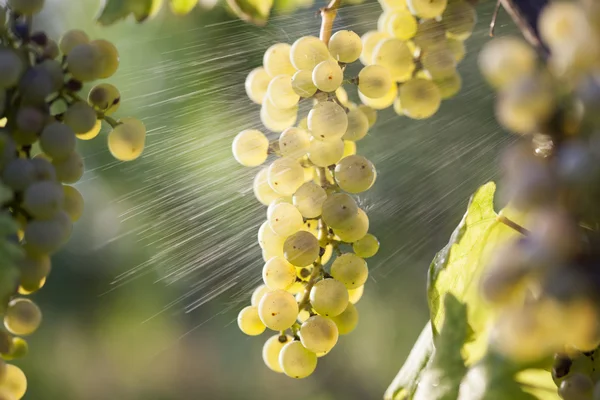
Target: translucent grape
276 119
346 322
374 81
127 140
11 68
250 148
19 349
84 62
249 321
276 60
71 39
33 268
327 121
26 7
349 148
318 334
296 361
355 174
401 24
294 142
430 33
30 120
272 349
108 58
22 317
258 294
563 23
256 84
370 113
358 125
459 19
327 76
393 4
351 270
18 174
70 169
355 294
301 249
281 93
420 98
105 98
278 310
14 382
72 203
339 209
342 96
427 8
329 297
439 62
457 48
269 240
43 199
309 199
369 41
355 230
345 46
277 273
366 247
505 60
324 154
286 175
307 52
262 189
575 387
450 86
80 117
285 219
92 133
46 236
302 83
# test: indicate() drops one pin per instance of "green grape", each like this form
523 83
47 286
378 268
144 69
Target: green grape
430 33
355 174
349 148
92 133
401 24
105 98
381 102
309 199
303 315
108 57
69 170
393 4
249 322
43 199
8 149
318 334
564 366
71 39
73 202
576 387
301 249
396 57
45 236
55 72
459 19
14 382
19 349
18 174
457 48
66 226
22 317
276 60
51 50
374 81
350 270
272 349
80 117
342 97
307 52
11 68
296 287
449 86
366 247
285 219
356 230
281 93
345 46
262 189
84 62
269 240
383 20
505 60
26 7
370 41
30 120
327 121
294 142
127 140
339 210
370 113
439 62
427 8
327 76
346 322
563 23
286 175
420 98
324 154
33 269
296 361
278 310
278 274
276 119
256 84
302 83
250 148
258 294
329 297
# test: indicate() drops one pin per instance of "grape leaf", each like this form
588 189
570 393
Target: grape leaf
253 11
115 10
182 7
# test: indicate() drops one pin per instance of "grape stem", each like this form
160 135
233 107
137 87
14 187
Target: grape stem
524 14
109 120
328 15
512 224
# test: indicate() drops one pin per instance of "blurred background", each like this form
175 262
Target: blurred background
142 302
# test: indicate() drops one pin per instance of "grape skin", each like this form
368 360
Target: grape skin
309 199
256 84
355 174
294 142
285 176
14 382
105 98
301 249
297 361
71 39
281 93
347 321
350 270
345 46
278 274
272 350
285 219
80 117
278 310
127 140
327 121
261 188
11 68
249 321
318 334
22 317
356 229
327 76
250 148
339 210
302 83
307 52
70 169
324 154
366 247
43 199
374 81
419 98
329 297
73 203
276 60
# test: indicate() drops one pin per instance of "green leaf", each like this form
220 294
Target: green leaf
182 7
115 10
253 11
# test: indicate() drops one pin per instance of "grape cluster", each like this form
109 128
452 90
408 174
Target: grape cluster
419 43
546 283
42 116
312 216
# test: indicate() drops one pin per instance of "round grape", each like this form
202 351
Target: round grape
324 154
278 274
339 210
11 68
307 52
301 249
346 322
296 361
294 142
350 270
276 60
318 334
84 62
14 382
355 174
249 322
70 169
309 199
327 76
366 247
345 46
329 297
374 81
22 317
272 350
420 98
427 8
285 219
18 174
108 58
57 141
369 42
355 230
278 310
71 39
256 84
43 199
505 60
250 148
327 121
80 117
286 175
269 240
281 93
127 140
92 133
105 98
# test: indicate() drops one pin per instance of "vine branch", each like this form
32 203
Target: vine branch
328 15
525 14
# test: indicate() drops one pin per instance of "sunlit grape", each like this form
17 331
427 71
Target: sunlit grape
272 350
346 322
329 297
127 140
256 84
355 174
327 76
278 310
366 247
309 199
374 81
22 317
276 60
345 46
339 210
324 154
307 52
356 229
281 93
250 147
369 41
302 83
297 361
249 321
327 121
301 249
318 334
351 270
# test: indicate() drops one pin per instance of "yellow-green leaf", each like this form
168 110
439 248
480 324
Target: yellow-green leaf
116 10
182 7
253 11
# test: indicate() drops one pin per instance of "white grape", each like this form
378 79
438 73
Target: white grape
258 294
108 58
420 98
401 24
277 119
277 273
439 62
366 247
269 240
339 209
355 294
459 19
307 52
345 46
374 81
80 117
427 8
319 334
281 93
355 174
296 361
302 83
576 387
18 174
449 86
370 113
309 199
286 175
327 76
294 142
278 310
250 148
11 68
84 62
430 33
358 125
347 321
327 121
356 229
276 60
70 169
72 202
71 39
370 41
272 350
43 199
127 140
262 190
256 84
22 317
14 382
324 154
249 322
457 48
505 60
285 219
105 98
349 148
563 24
351 270
301 249
396 57
329 297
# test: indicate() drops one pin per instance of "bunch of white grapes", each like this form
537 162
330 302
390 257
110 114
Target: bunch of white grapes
545 283
419 43
42 116
315 239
